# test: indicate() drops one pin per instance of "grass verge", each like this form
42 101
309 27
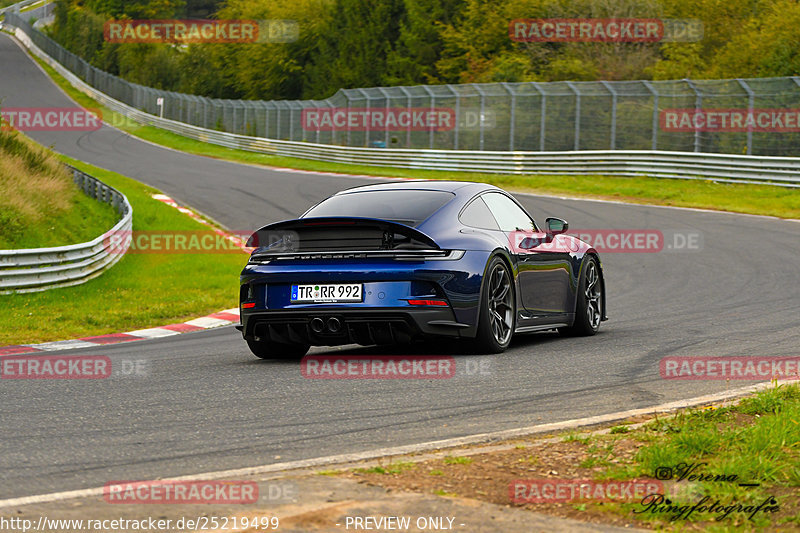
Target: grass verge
753 199
35 5
40 205
738 457
142 290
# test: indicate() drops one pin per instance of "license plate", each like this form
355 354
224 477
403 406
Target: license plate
327 293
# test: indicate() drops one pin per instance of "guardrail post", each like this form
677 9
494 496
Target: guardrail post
480 117
457 127
316 106
543 114
750 106
655 113
333 131
613 114
347 95
190 107
433 100
369 119
577 115
385 121
698 106
291 122
508 88
408 108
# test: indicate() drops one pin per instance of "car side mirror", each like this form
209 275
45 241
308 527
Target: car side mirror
556 226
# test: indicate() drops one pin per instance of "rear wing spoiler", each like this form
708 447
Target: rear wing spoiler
338 235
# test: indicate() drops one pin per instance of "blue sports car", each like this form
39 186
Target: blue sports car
402 261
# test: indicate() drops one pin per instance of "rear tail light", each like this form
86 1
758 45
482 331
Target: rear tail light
249 305
428 302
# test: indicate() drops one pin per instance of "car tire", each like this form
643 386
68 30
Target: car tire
274 350
497 315
589 307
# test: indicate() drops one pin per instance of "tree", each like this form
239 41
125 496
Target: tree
768 45
354 49
420 43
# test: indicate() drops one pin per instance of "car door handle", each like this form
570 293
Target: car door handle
524 256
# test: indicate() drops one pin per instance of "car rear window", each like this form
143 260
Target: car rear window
405 206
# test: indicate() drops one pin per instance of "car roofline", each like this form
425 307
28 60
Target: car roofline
388 186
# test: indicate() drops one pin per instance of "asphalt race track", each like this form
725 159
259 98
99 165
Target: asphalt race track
205 404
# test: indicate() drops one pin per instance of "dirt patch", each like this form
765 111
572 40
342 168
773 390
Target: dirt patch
488 476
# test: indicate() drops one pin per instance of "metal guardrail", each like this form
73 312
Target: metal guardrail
774 170
16 8
39 269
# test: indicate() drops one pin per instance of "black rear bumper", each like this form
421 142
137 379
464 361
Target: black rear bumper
356 326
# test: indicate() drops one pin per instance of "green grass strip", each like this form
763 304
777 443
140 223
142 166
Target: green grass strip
751 450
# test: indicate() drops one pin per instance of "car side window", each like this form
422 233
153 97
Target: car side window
509 215
477 215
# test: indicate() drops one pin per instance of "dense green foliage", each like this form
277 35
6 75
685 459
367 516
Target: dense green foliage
364 43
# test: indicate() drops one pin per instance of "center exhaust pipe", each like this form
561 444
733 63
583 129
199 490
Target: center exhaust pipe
334 325
317 325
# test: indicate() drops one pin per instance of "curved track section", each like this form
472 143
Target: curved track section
206 404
